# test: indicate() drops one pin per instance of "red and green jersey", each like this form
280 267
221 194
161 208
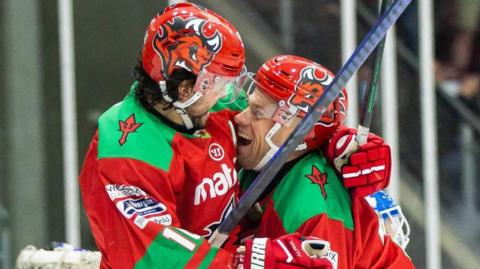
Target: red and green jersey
310 199
153 194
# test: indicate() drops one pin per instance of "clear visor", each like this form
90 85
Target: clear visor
225 89
280 111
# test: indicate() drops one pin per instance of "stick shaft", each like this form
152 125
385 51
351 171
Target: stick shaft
372 88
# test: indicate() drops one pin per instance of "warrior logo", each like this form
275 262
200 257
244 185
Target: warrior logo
321 179
195 44
216 152
126 127
310 87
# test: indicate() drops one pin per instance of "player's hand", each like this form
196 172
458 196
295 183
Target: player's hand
365 169
287 252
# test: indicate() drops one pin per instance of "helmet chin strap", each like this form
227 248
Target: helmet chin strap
187 121
273 148
180 106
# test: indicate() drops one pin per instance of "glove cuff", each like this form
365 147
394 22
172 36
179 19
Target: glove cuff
336 142
258 254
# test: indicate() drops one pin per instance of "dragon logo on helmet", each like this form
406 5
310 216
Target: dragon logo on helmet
309 88
194 46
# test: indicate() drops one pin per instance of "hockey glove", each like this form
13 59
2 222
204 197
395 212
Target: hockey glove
287 252
365 169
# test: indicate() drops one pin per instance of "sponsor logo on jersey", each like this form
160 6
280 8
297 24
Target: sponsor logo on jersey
142 222
163 220
216 152
332 256
121 191
126 127
133 202
216 186
319 178
142 207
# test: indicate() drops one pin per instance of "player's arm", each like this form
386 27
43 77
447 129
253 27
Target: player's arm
144 228
364 169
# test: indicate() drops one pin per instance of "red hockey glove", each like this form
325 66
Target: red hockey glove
287 252
364 169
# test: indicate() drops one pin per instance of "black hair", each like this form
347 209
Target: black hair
148 92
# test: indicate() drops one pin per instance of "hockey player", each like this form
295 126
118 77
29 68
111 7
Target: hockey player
306 196
160 175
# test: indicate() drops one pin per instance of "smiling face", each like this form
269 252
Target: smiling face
253 125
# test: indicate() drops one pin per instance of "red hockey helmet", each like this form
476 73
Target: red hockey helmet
297 83
196 39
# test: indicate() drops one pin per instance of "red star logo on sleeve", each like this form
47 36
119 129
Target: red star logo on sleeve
126 127
319 178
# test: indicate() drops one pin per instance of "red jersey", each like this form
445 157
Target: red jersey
152 194
311 200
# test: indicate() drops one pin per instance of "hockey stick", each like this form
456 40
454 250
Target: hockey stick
369 100
359 56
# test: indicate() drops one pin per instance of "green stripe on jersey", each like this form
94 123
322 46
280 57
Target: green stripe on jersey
166 252
298 198
209 258
148 133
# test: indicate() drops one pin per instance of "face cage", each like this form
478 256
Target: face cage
396 225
